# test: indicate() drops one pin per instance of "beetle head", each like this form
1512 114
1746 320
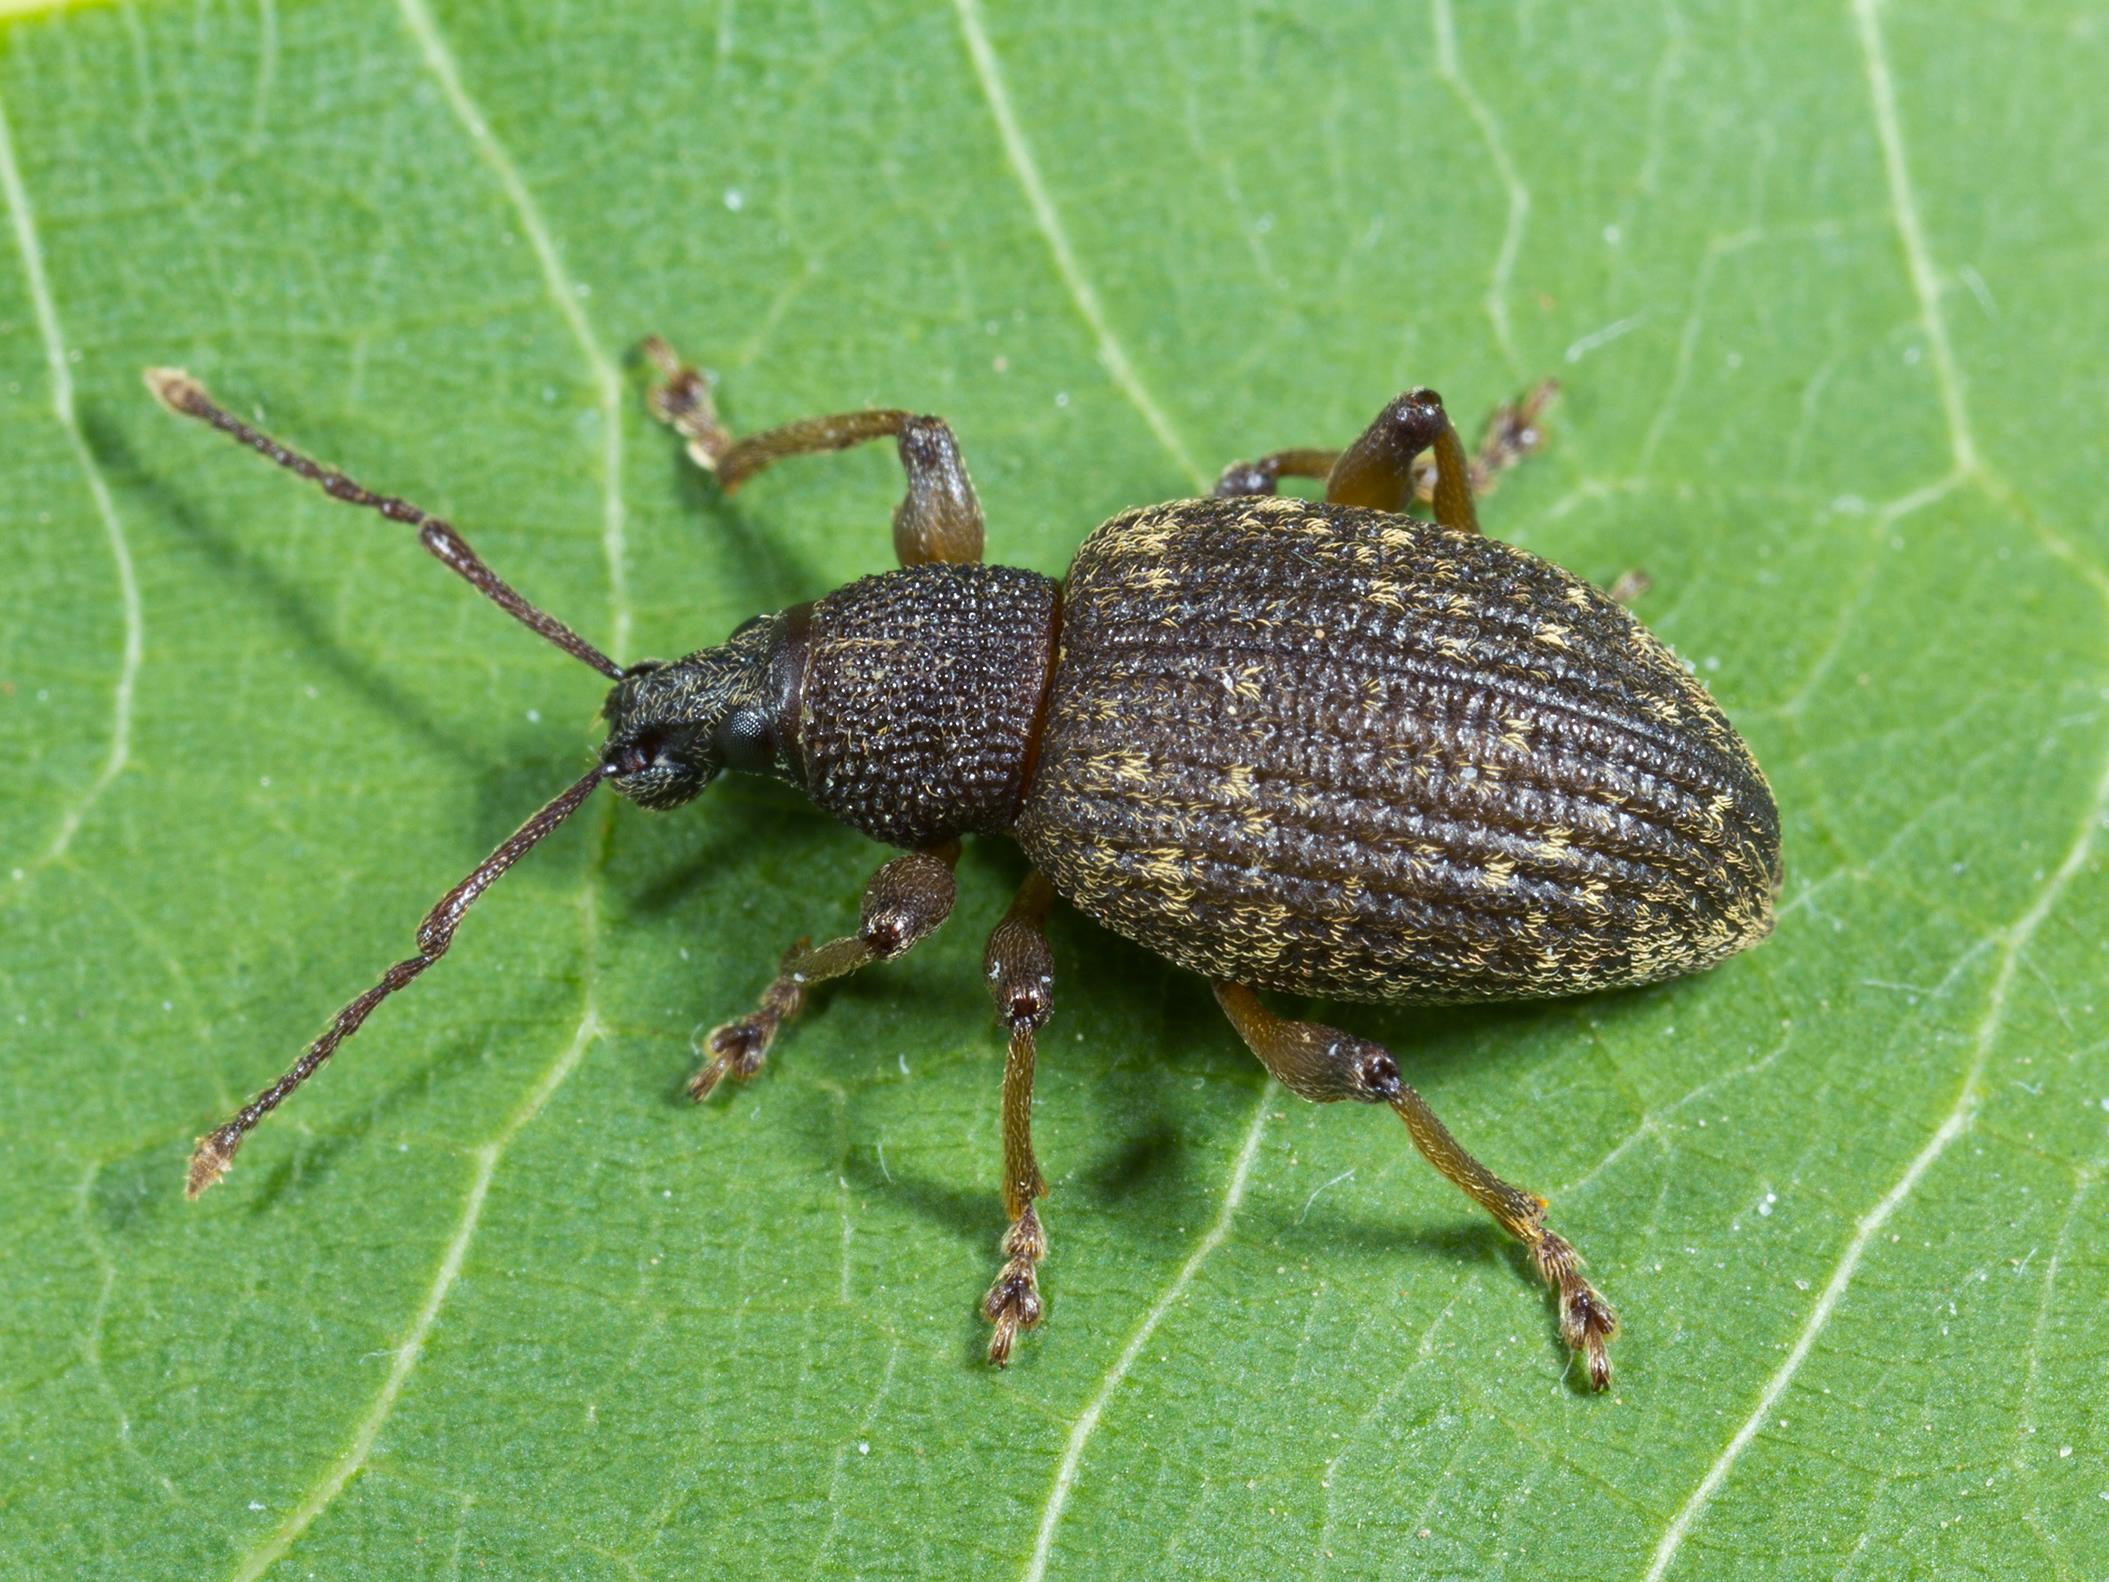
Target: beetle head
674 724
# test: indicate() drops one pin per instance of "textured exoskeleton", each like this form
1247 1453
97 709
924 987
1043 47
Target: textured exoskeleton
1335 751
1324 747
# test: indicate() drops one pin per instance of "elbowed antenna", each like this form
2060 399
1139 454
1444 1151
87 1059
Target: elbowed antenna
184 396
215 1150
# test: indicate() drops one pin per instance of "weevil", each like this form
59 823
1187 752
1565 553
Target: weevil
1323 747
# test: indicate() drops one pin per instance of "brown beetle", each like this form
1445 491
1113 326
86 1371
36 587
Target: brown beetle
1320 747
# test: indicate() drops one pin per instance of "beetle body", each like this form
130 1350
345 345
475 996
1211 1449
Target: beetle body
1325 747
1312 748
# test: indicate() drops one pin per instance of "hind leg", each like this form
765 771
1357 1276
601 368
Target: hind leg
1399 458
1324 1064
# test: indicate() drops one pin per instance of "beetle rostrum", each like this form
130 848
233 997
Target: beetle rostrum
673 728
1314 746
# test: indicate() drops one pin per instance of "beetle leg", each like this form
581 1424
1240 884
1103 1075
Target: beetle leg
1324 1064
1510 433
1264 476
939 518
1377 471
1629 586
903 903
1020 973
1401 458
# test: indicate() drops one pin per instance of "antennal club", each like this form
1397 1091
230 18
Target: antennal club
215 1150
186 397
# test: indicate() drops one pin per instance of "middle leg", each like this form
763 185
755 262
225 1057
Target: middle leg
1324 1064
1020 972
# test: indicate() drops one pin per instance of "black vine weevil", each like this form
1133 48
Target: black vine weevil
1322 747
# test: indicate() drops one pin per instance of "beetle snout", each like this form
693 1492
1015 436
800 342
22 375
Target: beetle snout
632 758
655 768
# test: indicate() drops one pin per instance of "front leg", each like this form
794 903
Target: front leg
1324 1064
938 519
903 903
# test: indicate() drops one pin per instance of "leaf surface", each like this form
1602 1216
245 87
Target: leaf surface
1823 286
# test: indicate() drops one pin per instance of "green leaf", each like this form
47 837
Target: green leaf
1824 289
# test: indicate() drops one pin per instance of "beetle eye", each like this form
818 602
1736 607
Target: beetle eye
742 741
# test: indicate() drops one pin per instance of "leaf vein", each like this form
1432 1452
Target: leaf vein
563 295
1517 194
1960 1113
407 1355
1911 235
1423 1351
1925 287
1048 219
1080 1434
65 410
608 389
2083 1183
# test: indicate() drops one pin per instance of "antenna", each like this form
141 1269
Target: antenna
184 396
216 1148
